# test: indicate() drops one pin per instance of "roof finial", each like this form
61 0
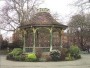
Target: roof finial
43 10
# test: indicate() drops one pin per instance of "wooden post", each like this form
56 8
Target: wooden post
34 43
51 39
24 40
60 38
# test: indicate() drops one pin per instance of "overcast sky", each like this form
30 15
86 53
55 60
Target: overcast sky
63 8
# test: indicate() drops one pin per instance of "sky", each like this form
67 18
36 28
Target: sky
63 8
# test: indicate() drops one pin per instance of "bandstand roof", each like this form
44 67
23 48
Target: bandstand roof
43 19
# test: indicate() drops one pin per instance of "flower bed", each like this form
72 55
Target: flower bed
63 54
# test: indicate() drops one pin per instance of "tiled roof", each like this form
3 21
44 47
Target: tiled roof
43 19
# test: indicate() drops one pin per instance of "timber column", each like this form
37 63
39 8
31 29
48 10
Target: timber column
51 39
24 40
61 38
34 39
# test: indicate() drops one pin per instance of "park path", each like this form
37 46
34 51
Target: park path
81 63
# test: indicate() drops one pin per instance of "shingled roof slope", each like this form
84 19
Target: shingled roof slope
43 19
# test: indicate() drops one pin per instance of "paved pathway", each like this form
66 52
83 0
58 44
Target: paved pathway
81 63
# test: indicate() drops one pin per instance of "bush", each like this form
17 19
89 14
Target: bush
31 57
55 55
22 57
74 51
38 53
9 57
77 56
45 57
48 58
64 52
15 53
69 57
17 58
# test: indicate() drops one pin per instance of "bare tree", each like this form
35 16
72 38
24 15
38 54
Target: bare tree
85 4
74 26
17 12
79 30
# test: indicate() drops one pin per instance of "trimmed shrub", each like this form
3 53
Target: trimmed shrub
9 57
55 55
20 57
17 58
31 57
74 51
16 52
69 57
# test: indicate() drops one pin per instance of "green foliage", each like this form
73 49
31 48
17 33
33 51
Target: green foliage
9 57
22 57
55 55
74 51
17 58
69 57
16 52
31 57
77 56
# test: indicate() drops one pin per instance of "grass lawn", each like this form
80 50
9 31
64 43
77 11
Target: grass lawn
3 52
